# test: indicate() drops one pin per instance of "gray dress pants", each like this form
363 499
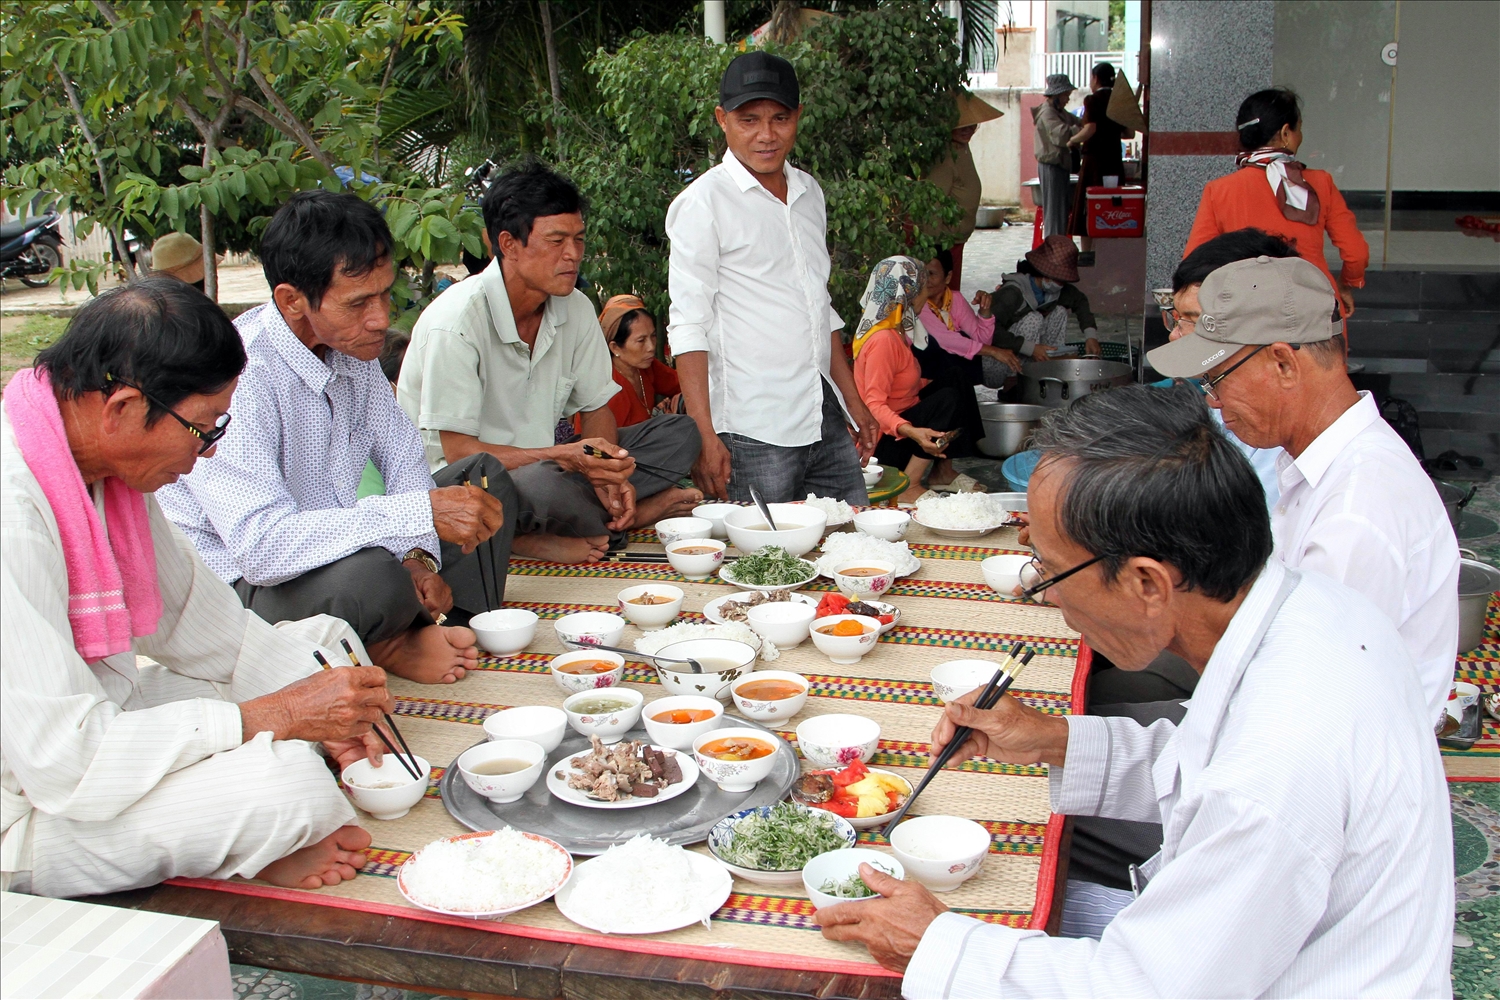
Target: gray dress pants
1057 197
373 592
828 467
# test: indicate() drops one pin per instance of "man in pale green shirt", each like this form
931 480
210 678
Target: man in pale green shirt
498 359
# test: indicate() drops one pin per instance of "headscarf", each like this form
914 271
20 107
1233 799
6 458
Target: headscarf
892 285
1298 201
614 311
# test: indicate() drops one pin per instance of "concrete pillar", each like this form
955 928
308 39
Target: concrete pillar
713 20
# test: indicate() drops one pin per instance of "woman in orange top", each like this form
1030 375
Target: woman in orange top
647 385
1273 192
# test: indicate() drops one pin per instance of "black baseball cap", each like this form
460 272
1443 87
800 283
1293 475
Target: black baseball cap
756 76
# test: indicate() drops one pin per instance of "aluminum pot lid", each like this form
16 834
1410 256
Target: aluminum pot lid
1475 579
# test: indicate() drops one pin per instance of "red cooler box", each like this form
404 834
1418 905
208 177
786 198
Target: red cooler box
1117 211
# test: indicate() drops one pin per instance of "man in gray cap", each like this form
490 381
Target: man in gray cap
1054 160
1268 353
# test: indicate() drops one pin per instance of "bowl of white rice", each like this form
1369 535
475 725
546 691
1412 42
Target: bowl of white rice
485 875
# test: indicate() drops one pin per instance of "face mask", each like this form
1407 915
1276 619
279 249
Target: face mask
1048 285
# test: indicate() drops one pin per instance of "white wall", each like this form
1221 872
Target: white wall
996 147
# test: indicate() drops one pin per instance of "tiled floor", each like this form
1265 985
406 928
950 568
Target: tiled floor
251 983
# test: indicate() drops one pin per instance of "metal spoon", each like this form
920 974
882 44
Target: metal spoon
765 511
697 667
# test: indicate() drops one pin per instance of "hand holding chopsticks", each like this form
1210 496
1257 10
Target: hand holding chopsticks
409 765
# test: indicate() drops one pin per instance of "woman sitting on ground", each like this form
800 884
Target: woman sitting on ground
924 424
957 337
1032 306
650 387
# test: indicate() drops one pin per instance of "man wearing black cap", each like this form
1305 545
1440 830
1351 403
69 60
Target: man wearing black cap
757 341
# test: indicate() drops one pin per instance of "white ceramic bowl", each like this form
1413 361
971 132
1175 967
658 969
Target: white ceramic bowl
941 852
846 649
502 788
679 735
678 678
609 726
956 678
883 522
735 775
864 586
839 865
541 724
1005 573
714 514
674 528
650 617
785 623
574 683
777 710
589 628
873 474
696 566
837 740
386 803
722 836
507 630
799 528
1460 696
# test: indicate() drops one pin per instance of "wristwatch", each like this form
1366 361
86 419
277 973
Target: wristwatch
423 557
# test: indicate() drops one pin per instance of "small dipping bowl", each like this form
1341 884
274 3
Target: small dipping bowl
650 617
680 735
837 740
770 710
386 803
735 775
507 630
956 678
679 678
714 514
941 852
574 683
864 586
1005 573
541 724
1460 696
676 528
838 865
502 788
589 628
883 522
846 649
696 565
785 623
608 726
873 474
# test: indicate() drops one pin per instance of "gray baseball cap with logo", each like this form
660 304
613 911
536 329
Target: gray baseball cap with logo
1266 300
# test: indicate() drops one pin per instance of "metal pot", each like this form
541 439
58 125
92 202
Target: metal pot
1056 383
1455 499
1476 581
1007 426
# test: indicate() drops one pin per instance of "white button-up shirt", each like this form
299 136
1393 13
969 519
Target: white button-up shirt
749 285
1306 841
280 496
1356 506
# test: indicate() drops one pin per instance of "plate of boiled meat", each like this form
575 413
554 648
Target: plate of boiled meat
624 775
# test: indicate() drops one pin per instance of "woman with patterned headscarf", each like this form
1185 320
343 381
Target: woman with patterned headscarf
923 425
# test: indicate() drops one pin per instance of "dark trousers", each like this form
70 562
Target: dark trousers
939 408
949 369
828 467
373 592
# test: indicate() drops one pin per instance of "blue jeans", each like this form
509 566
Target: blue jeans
829 467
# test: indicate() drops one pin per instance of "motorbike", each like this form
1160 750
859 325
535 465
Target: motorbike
30 249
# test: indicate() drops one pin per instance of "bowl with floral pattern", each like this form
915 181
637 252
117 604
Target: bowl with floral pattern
837 740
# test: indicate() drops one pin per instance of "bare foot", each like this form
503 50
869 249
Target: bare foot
433 654
561 549
911 494
673 502
336 858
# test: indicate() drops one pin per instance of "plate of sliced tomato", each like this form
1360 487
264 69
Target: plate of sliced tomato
837 604
867 797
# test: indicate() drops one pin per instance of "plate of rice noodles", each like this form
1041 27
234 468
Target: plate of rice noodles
839 512
967 515
644 886
485 875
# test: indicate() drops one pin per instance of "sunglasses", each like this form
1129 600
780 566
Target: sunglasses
209 438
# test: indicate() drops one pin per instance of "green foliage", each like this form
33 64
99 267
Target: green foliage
878 107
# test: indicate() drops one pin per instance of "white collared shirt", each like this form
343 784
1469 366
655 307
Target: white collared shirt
280 496
1306 850
1356 506
749 284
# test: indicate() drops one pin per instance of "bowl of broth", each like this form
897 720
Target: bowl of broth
677 721
864 578
696 558
502 770
607 714
770 695
735 759
388 791
650 606
676 528
587 670
799 528
589 628
845 638
724 661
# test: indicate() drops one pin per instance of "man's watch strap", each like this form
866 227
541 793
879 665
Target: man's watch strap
422 556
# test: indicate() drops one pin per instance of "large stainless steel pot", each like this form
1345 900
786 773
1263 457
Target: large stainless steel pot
1007 426
1056 383
1476 581
1455 499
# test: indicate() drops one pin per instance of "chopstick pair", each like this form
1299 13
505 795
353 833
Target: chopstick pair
655 470
486 580
409 766
988 698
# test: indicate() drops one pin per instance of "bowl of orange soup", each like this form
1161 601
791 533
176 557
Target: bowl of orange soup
735 759
587 669
770 695
678 720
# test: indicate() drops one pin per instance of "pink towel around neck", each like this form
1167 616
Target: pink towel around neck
113 593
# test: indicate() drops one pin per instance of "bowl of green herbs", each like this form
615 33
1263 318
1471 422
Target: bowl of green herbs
770 570
834 877
771 844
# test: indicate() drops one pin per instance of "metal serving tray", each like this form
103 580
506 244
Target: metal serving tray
687 819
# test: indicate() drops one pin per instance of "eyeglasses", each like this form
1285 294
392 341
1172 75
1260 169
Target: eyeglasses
1172 320
1206 386
1043 584
209 438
